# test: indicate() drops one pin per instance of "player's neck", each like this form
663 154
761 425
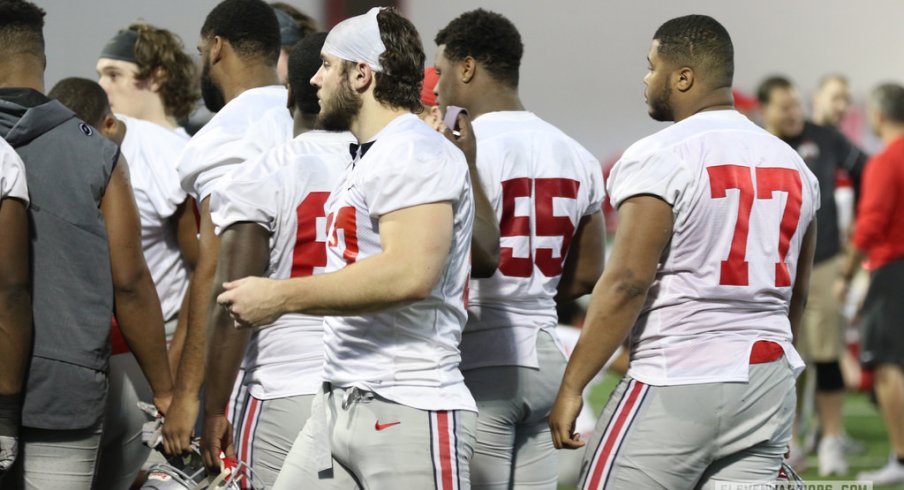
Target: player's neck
302 123
890 133
15 75
495 99
717 100
157 115
372 119
247 77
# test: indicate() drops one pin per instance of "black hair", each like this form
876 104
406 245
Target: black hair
764 91
399 84
889 99
21 28
304 61
250 26
699 42
305 23
491 39
84 97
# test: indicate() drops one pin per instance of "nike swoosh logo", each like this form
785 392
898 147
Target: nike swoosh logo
378 426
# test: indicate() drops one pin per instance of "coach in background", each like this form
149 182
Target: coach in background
821 340
879 237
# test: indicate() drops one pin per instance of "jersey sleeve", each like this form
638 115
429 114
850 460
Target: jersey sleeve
246 194
12 174
660 173
416 178
596 192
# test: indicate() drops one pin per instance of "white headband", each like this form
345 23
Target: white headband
357 39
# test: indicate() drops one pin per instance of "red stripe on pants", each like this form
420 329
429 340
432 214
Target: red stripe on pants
445 450
609 443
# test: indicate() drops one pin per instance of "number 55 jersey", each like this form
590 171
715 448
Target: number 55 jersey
541 183
742 201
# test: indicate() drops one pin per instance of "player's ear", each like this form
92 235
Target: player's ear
684 79
362 76
468 68
215 49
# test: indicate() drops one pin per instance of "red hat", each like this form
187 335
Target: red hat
430 79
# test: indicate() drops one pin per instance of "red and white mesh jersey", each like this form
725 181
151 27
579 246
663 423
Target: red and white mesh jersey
742 200
284 191
540 183
407 354
12 173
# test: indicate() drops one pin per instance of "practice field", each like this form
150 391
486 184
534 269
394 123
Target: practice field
861 420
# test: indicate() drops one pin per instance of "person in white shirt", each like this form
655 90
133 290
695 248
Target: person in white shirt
15 300
709 273
271 221
239 46
546 191
394 411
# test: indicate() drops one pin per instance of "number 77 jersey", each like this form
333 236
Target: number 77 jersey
541 183
741 201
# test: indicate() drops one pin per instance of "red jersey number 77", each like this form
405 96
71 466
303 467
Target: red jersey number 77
769 181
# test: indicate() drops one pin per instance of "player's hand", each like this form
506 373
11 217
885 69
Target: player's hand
252 301
179 424
216 437
465 140
163 402
562 421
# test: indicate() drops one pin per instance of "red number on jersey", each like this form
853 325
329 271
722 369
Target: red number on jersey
309 253
547 224
734 270
347 222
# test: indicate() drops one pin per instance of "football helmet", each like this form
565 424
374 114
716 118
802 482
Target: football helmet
787 474
188 473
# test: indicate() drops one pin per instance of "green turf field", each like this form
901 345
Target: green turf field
861 420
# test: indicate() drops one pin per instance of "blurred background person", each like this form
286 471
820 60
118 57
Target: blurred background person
821 340
831 101
293 26
879 238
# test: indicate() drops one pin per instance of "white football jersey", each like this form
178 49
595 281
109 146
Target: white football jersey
152 152
254 122
12 173
284 191
742 201
540 183
408 354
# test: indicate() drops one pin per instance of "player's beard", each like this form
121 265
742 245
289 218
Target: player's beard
212 95
337 112
660 103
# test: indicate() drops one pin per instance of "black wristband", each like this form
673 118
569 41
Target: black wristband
10 414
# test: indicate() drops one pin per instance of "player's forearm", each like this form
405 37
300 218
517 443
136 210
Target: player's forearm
141 322
614 307
584 263
15 336
224 357
191 364
374 284
485 238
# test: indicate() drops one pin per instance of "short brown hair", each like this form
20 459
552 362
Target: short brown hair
160 49
399 84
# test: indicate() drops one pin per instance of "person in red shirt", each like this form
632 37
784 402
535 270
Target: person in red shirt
879 237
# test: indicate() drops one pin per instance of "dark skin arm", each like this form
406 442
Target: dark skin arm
485 237
586 257
244 251
644 230
180 420
15 297
187 236
802 279
135 301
